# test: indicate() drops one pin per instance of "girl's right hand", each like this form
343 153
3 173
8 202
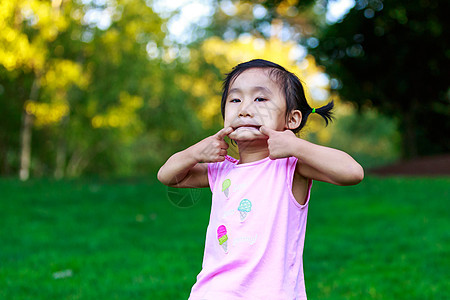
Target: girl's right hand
213 148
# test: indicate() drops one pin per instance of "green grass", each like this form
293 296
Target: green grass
383 239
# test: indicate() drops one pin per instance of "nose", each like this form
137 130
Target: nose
245 110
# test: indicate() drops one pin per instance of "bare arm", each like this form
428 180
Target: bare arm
188 168
183 170
326 164
316 162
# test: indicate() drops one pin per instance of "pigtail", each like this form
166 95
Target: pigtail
325 112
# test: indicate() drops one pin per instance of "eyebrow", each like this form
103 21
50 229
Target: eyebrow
254 89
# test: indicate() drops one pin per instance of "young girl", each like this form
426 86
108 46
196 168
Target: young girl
254 241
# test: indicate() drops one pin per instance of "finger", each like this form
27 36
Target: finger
223 152
266 130
224 132
224 145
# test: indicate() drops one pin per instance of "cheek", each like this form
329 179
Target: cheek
226 119
272 118
229 116
271 110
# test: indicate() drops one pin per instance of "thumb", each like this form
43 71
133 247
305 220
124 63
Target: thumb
266 130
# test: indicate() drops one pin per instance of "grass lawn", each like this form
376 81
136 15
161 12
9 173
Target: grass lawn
387 238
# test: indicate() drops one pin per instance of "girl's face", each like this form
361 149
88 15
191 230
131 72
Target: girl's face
254 99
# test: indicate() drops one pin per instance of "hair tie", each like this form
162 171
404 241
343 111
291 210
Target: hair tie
313 110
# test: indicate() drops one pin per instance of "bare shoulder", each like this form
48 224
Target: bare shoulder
300 188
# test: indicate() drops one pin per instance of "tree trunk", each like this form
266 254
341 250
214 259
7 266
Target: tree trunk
25 135
60 159
61 150
76 163
4 156
409 134
25 153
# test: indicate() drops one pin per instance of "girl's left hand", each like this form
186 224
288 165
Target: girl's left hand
280 143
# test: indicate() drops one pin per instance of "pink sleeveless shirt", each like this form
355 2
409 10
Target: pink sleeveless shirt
254 241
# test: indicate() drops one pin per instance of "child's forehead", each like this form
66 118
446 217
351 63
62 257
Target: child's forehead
260 72
255 76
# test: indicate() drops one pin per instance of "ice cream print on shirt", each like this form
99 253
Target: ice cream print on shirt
226 187
244 208
222 237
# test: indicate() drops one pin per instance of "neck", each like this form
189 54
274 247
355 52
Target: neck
250 151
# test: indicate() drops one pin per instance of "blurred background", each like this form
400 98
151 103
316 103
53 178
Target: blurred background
95 95
112 87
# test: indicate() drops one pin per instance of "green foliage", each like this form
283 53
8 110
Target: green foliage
114 99
119 239
393 55
103 97
370 137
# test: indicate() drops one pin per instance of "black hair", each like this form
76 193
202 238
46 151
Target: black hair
289 83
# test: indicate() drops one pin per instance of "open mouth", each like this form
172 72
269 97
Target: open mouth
248 127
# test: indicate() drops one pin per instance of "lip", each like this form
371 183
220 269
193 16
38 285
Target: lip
247 126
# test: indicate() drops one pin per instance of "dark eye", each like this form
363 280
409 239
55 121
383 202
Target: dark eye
259 99
235 100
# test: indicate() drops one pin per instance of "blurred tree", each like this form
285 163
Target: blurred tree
105 119
95 81
132 113
28 28
369 137
295 18
394 56
103 90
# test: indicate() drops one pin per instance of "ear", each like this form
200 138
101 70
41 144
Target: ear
294 119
